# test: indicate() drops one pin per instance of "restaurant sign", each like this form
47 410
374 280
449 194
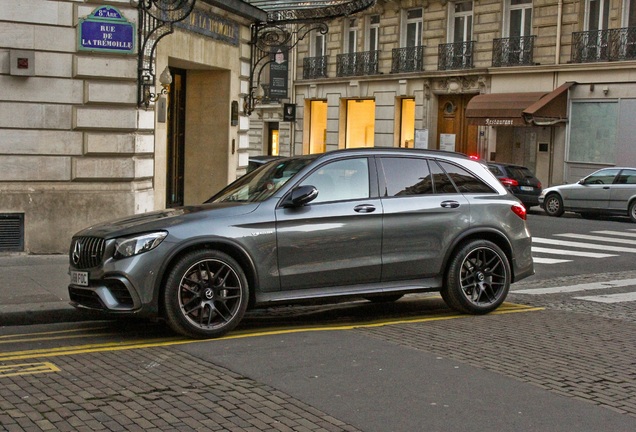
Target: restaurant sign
106 30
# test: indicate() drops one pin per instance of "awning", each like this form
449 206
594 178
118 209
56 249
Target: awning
519 109
550 109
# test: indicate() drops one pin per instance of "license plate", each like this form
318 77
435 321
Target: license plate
79 278
527 188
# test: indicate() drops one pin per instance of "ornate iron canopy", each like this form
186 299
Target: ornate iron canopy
297 11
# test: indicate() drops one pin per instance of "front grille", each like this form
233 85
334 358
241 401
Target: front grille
86 252
85 298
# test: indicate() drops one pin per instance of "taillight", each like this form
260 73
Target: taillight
509 182
539 185
519 210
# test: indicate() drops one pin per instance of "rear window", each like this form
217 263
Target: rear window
465 181
520 172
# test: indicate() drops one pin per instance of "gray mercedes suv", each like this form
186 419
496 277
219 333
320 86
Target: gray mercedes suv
360 223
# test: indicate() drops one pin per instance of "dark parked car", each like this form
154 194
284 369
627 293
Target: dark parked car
608 191
519 180
362 223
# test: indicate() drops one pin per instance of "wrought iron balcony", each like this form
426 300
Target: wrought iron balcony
315 67
513 51
357 64
458 55
604 45
409 59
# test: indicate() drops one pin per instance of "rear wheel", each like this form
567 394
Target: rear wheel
632 211
553 205
206 294
478 278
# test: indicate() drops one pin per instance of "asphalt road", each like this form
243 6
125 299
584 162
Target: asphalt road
557 360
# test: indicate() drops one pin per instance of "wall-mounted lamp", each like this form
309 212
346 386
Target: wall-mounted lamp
605 90
165 79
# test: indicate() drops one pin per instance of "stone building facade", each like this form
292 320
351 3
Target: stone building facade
75 146
544 83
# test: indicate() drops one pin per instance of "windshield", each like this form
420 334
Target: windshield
262 183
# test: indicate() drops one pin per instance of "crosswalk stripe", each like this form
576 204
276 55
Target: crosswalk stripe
571 252
580 287
617 233
540 260
597 238
610 298
582 245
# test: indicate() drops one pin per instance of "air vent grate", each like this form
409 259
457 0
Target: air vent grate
11 232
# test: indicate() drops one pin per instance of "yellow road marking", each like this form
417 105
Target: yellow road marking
27 369
506 308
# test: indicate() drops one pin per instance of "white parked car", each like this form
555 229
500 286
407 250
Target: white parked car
608 191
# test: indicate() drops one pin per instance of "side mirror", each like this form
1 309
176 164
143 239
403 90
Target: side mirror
302 195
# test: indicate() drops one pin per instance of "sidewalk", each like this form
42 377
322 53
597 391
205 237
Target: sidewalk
33 290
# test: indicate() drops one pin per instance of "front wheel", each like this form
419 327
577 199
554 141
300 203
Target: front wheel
553 205
632 211
478 278
206 294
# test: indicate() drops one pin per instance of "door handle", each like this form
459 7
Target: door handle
606 187
364 208
449 204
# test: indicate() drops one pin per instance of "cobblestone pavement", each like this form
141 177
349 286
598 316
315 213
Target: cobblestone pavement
587 357
154 389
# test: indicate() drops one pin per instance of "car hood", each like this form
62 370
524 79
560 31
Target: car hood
164 219
561 187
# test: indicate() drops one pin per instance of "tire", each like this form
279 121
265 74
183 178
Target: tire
206 294
632 211
553 205
385 298
478 278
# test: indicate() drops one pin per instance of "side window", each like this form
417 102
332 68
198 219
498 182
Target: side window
495 170
341 180
465 181
627 177
405 176
602 177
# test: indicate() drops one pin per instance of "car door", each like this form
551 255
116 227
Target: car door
423 213
623 190
593 192
336 239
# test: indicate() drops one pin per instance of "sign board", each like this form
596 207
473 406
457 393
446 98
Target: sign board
289 112
278 74
447 142
421 138
106 30
212 26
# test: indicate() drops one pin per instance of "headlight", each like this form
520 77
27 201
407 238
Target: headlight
130 246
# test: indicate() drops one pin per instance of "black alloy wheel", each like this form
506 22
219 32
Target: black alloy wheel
206 294
478 278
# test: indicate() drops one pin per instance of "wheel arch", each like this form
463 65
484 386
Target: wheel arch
234 250
492 235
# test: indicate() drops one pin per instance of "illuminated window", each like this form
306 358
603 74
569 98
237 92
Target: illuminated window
407 123
360 123
318 126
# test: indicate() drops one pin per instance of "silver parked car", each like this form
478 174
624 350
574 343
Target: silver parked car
363 223
608 191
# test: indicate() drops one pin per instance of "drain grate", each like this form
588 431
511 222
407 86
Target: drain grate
11 232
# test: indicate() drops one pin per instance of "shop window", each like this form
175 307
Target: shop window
360 131
407 123
593 132
317 126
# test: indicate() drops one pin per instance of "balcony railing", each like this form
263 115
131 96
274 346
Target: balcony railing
409 59
357 64
604 45
458 55
315 67
513 51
